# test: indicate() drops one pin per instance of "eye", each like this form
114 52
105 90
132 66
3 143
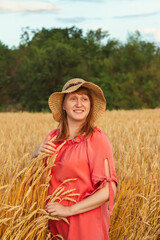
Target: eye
72 98
85 99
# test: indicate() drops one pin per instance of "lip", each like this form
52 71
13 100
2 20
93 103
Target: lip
78 111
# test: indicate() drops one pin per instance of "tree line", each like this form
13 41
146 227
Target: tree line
128 73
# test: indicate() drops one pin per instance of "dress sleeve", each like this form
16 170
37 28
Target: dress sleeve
99 149
51 134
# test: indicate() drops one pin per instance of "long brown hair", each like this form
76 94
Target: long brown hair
87 127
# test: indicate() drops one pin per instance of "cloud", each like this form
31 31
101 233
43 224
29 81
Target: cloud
152 33
138 15
75 20
72 20
95 1
7 6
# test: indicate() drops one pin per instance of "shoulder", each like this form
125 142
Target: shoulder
99 137
98 145
52 134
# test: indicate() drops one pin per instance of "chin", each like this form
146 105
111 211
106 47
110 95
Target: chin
80 118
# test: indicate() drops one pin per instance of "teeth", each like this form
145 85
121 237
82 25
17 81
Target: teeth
78 111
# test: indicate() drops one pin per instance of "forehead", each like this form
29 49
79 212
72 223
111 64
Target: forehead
77 94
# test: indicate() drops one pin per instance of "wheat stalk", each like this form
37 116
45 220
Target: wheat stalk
135 139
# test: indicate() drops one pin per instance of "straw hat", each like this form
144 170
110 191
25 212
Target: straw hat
99 102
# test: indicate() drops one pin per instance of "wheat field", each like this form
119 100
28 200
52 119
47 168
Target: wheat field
135 139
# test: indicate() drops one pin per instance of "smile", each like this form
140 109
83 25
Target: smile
78 111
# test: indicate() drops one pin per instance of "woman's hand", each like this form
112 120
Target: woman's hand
56 209
47 147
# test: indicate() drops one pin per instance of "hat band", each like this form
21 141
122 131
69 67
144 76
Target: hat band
73 84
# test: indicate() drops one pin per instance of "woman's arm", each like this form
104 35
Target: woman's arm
93 201
35 153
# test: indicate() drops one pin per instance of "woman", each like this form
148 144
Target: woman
87 156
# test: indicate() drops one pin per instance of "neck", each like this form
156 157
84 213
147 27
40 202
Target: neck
73 128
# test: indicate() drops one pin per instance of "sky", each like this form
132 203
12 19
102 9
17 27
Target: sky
119 17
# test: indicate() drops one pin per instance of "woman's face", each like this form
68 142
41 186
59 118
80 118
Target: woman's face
77 106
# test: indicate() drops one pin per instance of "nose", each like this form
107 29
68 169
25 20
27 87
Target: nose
78 103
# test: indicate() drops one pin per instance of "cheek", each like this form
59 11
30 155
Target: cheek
88 107
67 106
65 103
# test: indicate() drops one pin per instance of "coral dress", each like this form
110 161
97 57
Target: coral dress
84 160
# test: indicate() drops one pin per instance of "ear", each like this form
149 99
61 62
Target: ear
63 107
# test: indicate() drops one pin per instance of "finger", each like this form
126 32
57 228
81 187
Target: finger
46 147
47 151
49 147
52 204
49 206
50 143
54 214
52 211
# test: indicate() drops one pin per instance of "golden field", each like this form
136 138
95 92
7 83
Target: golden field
135 139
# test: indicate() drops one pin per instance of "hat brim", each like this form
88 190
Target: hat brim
98 100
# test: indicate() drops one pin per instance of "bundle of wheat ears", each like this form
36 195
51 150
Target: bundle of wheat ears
135 140
23 202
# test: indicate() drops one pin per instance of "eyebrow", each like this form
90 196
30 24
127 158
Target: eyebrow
74 94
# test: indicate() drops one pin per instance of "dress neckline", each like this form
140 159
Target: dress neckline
78 139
